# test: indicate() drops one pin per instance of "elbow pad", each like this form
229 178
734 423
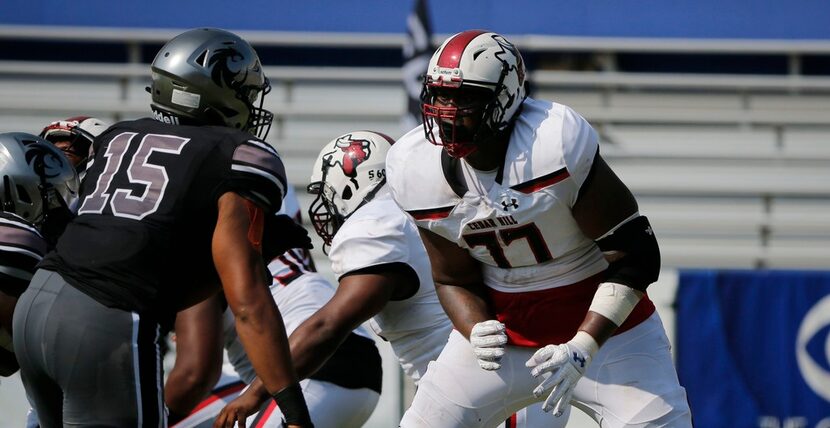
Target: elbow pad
639 265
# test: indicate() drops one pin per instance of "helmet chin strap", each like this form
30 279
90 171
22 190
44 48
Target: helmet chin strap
369 196
46 204
8 202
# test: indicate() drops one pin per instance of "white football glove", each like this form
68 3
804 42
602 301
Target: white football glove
561 367
488 339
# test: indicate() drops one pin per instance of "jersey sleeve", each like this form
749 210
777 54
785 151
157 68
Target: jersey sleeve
21 249
580 145
257 173
365 243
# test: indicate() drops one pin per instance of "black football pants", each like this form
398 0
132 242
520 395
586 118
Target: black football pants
84 364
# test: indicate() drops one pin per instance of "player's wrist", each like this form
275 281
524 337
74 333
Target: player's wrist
258 390
615 301
585 343
293 406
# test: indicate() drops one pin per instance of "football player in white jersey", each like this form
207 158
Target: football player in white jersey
335 397
539 255
378 258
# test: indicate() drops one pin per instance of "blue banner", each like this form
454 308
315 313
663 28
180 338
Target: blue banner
753 348
703 19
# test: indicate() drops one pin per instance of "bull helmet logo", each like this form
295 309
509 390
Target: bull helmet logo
349 153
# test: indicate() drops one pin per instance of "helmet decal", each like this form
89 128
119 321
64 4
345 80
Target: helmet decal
351 152
45 162
221 72
507 46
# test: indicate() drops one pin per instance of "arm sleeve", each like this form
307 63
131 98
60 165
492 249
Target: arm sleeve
367 243
580 145
258 174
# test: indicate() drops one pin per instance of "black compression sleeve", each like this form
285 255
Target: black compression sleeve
641 264
293 406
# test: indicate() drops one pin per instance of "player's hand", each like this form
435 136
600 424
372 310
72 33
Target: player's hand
281 234
488 339
238 410
561 367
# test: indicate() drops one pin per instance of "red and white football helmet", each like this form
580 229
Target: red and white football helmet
348 173
473 59
74 136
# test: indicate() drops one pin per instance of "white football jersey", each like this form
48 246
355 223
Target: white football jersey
380 233
297 301
517 220
297 290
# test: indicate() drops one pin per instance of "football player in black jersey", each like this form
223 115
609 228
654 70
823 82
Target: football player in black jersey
32 172
172 208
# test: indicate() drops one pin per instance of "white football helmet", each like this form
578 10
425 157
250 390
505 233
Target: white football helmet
78 132
31 166
473 59
348 173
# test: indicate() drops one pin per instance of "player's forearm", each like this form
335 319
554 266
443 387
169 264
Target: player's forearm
184 389
262 332
464 305
610 307
257 388
314 342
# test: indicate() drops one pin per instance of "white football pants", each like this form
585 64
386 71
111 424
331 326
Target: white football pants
631 382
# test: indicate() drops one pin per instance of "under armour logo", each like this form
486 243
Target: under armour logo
649 231
580 360
513 203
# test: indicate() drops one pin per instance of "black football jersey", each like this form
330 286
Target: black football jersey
21 248
148 208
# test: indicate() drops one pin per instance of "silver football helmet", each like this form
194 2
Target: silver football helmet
213 77
34 172
347 174
472 62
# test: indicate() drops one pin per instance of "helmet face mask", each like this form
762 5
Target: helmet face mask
348 173
74 136
323 213
208 76
458 115
34 172
472 61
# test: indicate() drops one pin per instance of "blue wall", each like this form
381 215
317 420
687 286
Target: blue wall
759 19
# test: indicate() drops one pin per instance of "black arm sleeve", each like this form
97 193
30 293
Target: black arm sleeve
640 266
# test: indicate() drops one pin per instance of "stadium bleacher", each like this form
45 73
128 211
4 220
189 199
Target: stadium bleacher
734 169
